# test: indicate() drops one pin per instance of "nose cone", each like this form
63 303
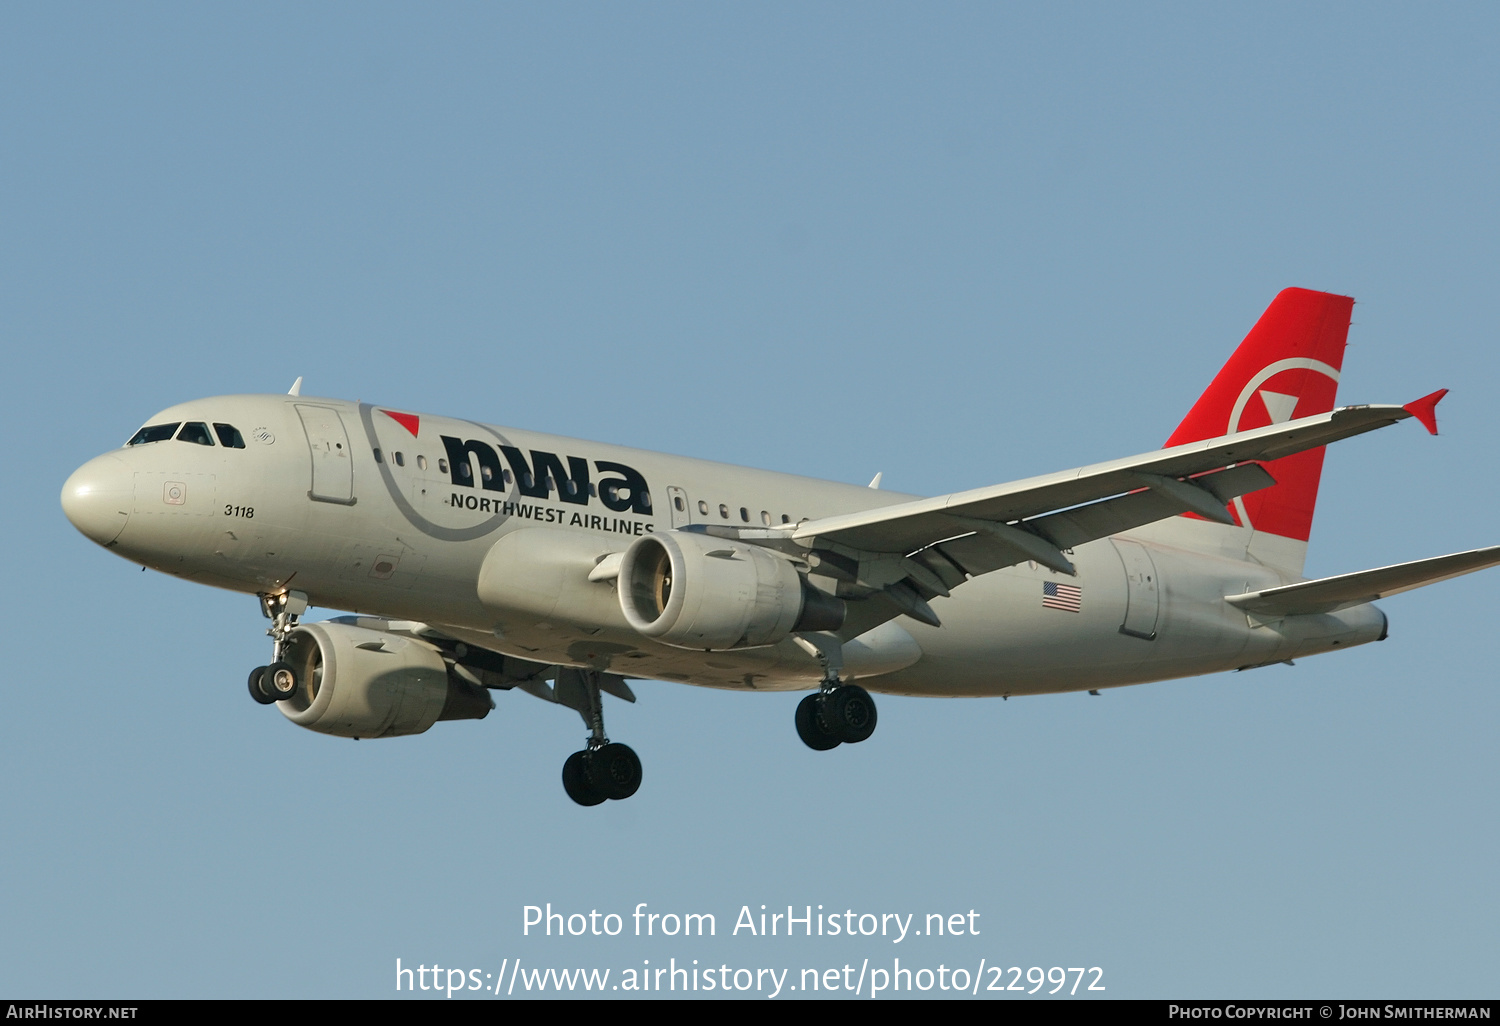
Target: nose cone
98 498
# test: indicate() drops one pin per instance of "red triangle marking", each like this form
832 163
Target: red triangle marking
410 421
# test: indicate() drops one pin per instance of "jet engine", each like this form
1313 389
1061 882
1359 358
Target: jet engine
701 592
355 682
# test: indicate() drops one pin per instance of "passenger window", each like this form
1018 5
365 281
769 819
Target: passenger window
421 462
442 466
154 433
229 436
400 459
195 431
703 507
785 519
744 514
723 511
765 518
378 457
677 501
505 476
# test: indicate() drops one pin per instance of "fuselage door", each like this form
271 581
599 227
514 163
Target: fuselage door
332 467
1143 596
678 499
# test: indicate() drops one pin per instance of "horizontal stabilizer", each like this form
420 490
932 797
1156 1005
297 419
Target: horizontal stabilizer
1330 594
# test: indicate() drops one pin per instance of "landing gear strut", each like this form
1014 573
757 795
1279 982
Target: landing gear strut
278 681
604 770
837 713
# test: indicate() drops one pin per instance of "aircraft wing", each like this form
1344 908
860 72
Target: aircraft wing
976 531
1330 594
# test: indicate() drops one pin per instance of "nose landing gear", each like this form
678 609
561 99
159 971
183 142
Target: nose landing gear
274 683
278 681
256 676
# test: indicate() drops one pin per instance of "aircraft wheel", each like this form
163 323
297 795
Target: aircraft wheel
614 771
849 712
279 681
576 782
255 692
812 728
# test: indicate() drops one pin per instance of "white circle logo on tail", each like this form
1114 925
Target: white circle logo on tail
1279 405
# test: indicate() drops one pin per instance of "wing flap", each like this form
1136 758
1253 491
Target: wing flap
1166 497
979 554
1330 594
946 569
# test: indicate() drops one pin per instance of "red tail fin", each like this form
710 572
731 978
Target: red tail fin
1287 367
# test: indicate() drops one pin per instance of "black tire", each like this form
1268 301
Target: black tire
576 782
279 681
614 771
255 691
849 712
811 726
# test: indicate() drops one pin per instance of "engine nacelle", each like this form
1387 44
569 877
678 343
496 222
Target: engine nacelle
355 682
696 591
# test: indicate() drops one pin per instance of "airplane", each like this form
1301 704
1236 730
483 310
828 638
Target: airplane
475 558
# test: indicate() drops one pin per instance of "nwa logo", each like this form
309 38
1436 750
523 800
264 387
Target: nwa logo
625 492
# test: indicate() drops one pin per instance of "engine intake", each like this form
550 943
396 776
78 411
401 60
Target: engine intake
695 591
355 682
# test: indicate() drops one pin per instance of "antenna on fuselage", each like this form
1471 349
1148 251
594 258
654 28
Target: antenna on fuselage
875 481
296 388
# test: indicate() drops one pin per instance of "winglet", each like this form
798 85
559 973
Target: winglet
1425 409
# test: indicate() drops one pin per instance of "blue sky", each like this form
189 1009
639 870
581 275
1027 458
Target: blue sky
957 244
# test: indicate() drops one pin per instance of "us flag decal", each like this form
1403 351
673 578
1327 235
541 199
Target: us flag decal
1067 597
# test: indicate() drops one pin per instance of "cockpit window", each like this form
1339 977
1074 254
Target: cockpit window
154 433
229 436
195 431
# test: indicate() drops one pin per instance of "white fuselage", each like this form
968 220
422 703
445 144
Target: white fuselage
307 505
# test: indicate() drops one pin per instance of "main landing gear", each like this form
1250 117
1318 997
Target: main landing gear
837 713
604 770
278 681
